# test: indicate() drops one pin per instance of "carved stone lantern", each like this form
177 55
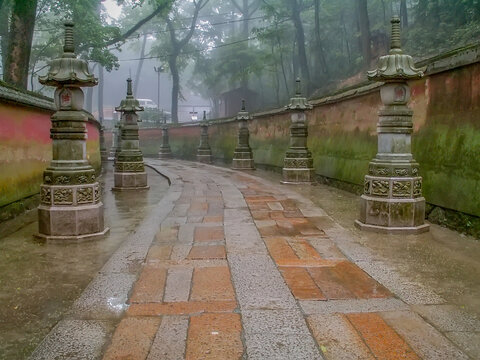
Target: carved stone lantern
165 151
392 201
243 157
129 171
298 162
71 206
204 153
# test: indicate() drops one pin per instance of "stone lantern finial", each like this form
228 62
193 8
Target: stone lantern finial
395 41
298 87
129 104
69 47
129 87
67 70
243 104
396 66
298 102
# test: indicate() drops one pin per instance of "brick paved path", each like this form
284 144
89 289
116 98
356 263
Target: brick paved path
242 268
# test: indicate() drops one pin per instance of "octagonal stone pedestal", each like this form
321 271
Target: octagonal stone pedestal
73 213
392 216
130 181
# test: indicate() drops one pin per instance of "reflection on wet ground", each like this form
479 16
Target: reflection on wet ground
39 282
444 260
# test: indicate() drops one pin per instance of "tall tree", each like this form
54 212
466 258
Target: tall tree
322 66
4 16
404 13
17 60
365 37
177 46
140 65
300 36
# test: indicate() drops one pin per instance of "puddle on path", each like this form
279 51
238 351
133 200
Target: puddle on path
39 282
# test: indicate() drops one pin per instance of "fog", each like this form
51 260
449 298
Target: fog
215 52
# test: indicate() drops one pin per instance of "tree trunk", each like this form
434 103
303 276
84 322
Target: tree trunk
20 43
318 42
172 62
404 13
364 26
139 67
4 16
300 37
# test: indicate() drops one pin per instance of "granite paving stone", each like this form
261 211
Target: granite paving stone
230 265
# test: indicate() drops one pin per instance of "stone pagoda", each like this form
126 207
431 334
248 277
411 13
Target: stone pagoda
71 206
165 151
204 153
243 156
129 171
392 201
298 162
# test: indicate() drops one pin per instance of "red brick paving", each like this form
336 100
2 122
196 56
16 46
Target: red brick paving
214 336
149 287
381 339
210 233
207 252
301 284
132 338
212 284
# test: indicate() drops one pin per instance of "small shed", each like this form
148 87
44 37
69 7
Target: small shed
229 103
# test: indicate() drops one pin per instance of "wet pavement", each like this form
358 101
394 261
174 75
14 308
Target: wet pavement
39 282
234 265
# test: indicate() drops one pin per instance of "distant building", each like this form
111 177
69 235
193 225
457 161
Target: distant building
229 103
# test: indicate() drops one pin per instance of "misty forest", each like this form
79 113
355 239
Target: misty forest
253 48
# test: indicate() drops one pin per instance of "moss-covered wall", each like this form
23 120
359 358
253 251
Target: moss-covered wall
25 146
342 136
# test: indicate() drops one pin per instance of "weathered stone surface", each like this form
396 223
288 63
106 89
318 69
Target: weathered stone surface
71 207
129 168
243 156
298 162
392 201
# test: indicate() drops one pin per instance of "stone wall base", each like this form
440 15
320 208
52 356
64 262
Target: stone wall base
130 181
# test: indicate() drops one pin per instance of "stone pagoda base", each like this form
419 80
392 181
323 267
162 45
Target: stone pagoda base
243 161
392 205
204 156
73 213
165 153
298 171
130 180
